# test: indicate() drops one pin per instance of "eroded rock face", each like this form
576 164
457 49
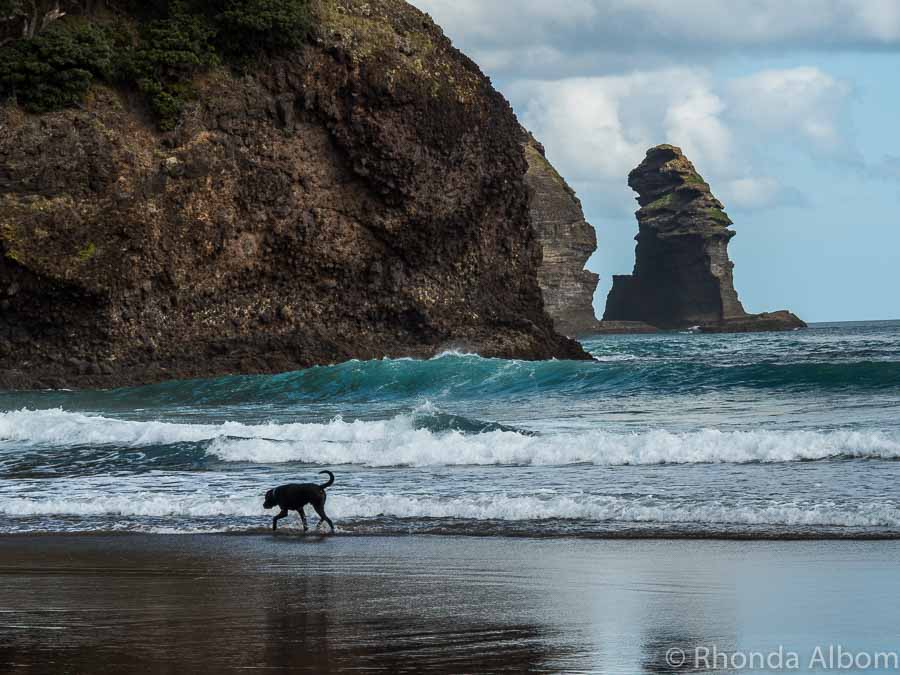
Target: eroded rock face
364 197
567 241
682 274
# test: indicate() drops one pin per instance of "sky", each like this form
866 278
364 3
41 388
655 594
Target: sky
789 110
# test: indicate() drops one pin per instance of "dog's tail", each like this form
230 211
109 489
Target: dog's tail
330 480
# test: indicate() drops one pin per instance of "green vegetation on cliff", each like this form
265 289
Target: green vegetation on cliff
52 52
261 24
54 69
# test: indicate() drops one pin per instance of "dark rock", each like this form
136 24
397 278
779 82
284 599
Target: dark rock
682 274
285 108
767 321
567 240
622 327
405 158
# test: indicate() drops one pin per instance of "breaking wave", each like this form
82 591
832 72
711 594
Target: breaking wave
587 508
424 437
657 368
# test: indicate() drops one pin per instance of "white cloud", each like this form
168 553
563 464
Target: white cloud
768 22
758 192
583 117
596 129
600 81
879 18
600 127
606 36
693 122
803 101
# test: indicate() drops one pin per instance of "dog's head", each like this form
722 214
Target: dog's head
270 500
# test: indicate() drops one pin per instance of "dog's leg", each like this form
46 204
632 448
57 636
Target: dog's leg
303 518
283 514
320 509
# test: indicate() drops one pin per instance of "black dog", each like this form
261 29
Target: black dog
294 496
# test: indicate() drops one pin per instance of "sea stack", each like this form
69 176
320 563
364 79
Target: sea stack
682 275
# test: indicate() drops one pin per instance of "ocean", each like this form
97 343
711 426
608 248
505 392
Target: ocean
763 435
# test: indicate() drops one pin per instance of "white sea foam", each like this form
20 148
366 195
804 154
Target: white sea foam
610 509
615 358
451 353
133 505
401 442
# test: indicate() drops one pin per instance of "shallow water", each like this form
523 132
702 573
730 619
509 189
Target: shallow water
680 434
219 603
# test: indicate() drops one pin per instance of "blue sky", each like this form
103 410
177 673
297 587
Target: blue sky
789 110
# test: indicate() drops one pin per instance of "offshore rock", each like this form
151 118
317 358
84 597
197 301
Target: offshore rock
623 327
567 240
362 197
682 274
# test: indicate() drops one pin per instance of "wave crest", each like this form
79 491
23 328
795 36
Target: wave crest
427 437
659 367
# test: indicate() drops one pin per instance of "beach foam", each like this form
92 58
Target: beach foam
414 440
591 508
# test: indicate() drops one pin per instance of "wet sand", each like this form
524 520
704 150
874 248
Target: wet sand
288 603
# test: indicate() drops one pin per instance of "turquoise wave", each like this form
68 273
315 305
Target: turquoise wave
473 377
860 362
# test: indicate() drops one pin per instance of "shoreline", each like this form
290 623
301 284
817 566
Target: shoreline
660 536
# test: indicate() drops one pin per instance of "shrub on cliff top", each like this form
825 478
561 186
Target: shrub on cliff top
56 68
262 24
175 40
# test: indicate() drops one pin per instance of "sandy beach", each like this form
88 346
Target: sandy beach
292 603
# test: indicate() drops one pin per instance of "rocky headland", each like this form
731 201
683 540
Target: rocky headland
682 274
359 196
567 240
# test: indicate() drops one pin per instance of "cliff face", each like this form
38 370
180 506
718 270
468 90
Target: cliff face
364 196
682 274
567 241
